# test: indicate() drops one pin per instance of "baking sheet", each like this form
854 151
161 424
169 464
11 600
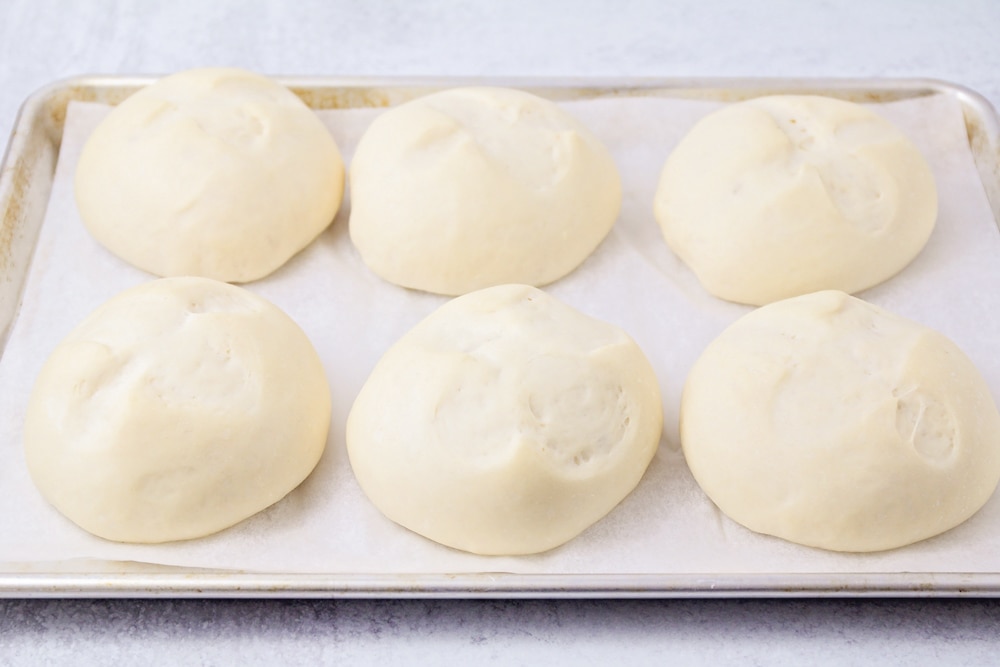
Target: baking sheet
666 529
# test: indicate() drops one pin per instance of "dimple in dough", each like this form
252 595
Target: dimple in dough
506 422
176 409
827 421
474 187
785 195
218 173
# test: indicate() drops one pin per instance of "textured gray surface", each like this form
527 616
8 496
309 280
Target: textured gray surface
44 40
261 632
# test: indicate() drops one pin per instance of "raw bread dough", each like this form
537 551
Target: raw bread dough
786 195
178 408
830 422
474 187
505 423
210 172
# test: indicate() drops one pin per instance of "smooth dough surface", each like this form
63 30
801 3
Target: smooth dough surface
830 422
785 195
506 422
474 187
218 173
176 409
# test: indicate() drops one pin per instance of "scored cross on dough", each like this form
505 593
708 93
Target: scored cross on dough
830 422
176 409
218 173
474 187
506 422
785 195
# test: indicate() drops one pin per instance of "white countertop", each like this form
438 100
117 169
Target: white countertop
45 40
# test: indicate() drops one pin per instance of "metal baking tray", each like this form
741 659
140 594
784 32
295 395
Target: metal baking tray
25 183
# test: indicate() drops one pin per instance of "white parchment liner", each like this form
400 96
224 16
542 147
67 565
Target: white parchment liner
666 526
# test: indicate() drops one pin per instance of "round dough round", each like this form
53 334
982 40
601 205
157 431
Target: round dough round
474 187
210 172
785 195
830 422
506 422
176 409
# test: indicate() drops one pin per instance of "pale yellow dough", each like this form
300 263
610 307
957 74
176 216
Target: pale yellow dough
474 187
785 195
830 422
210 172
176 409
506 422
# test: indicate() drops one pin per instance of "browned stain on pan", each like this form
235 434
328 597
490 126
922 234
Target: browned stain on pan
343 98
20 177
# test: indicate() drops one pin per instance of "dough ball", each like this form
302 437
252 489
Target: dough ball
786 195
830 422
210 172
505 423
475 187
178 408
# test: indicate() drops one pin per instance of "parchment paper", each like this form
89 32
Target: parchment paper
666 526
